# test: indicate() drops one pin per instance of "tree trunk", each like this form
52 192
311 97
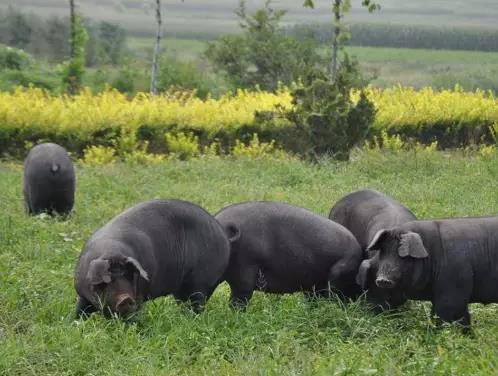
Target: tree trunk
72 15
335 43
157 50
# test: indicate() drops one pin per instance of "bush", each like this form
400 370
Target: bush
33 77
99 155
256 149
13 58
141 156
183 146
175 74
332 122
124 81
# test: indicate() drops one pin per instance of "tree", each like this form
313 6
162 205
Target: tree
340 8
112 39
263 55
19 31
56 35
327 118
157 51
72 17
73 74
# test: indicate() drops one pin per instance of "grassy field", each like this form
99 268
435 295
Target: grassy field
183 49
437 68
276 336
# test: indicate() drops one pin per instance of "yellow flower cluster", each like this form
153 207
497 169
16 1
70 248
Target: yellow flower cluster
28 112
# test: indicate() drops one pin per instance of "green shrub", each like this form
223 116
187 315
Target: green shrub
392 143
124 81
99 155
214 149
257 149
176 74
127 149
13 58
331 121
184 146
35 77
141 156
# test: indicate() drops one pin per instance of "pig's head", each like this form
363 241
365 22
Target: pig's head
114 284
398 252
378 297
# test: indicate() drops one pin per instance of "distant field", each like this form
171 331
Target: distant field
390 66
183 49
207 18
187 24
437 68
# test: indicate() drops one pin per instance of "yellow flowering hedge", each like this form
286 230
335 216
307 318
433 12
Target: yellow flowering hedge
32 114
453 117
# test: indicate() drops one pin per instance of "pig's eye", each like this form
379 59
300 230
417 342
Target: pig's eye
100 286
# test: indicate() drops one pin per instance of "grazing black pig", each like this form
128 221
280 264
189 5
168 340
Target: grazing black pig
364 213
155 248
49 180
450 262
279 248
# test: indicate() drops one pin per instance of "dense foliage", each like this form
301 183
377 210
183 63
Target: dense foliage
13 58
49 37
330 120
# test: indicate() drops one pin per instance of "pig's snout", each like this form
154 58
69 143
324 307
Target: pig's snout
384 283
125 304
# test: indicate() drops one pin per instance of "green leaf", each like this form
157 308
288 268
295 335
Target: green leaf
309 4
370 5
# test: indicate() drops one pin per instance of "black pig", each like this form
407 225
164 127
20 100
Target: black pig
155 248
450 262
49 180
364 213
279 248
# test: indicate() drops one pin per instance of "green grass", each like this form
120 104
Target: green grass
277 335
183 49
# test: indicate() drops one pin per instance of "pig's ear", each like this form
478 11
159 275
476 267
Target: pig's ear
362 276
377 239
411 244
232 231
98 272
138 267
